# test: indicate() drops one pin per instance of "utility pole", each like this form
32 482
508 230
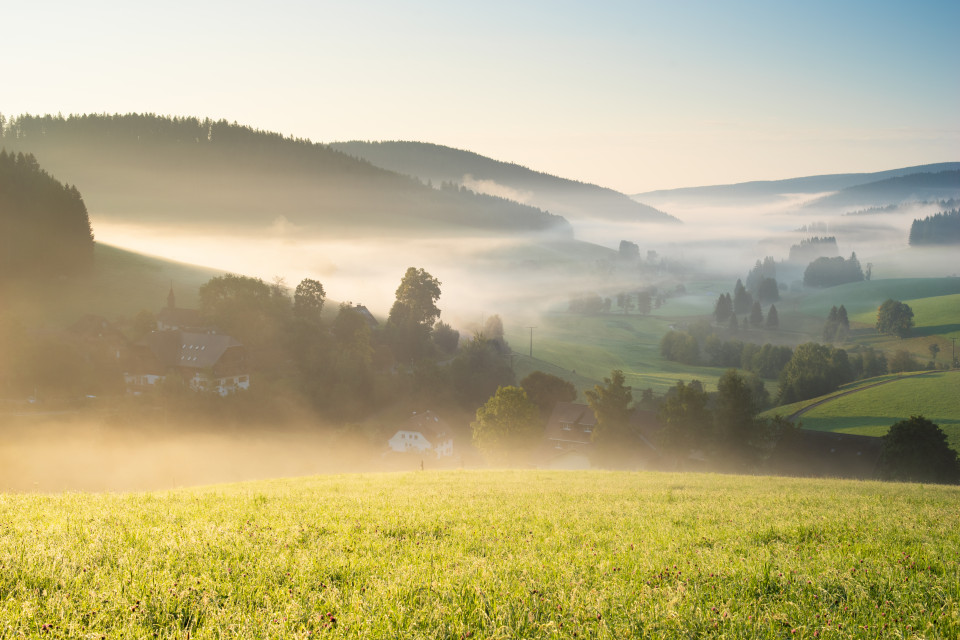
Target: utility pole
531 340
953 353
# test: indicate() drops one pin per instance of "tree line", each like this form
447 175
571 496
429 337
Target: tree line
184 166
44 226
940 228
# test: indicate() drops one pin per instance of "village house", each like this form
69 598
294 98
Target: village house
568 438
423 433
204 359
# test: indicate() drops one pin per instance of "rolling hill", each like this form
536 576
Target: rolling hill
148 169
871 410
438 164
764 191
916 187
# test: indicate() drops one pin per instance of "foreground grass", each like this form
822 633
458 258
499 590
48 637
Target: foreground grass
487 555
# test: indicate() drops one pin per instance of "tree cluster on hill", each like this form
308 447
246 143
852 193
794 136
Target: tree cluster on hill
44 227
350 366
722 426
940 228
699 347
813 370
837 327
810 249
830 272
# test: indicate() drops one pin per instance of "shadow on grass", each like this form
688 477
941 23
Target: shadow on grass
940 329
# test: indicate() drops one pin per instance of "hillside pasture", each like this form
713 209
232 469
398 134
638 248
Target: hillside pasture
862 298
585 349
121 284
487 554
873 410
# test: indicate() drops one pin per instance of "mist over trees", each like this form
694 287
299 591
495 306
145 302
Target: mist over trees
830 272
940 228
812 248
44 226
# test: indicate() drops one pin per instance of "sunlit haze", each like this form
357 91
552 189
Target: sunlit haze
634 96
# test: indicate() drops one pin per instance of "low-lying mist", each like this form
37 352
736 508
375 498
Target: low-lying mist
526 274
51 454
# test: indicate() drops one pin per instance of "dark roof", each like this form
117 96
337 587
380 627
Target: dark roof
571 422
429 424
365 313
188 349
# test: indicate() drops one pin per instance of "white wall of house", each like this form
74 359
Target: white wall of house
409 441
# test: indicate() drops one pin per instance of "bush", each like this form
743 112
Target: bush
916 450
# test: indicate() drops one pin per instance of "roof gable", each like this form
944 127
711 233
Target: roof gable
189 349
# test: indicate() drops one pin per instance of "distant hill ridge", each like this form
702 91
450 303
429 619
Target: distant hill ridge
922 186
144 168
569 198
763 189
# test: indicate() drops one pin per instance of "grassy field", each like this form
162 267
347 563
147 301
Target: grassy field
872 411
865 297
487 554
121 284
585 349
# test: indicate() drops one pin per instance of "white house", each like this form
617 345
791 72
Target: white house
422 433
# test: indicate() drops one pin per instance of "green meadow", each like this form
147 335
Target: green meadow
585 349
871 411
486 554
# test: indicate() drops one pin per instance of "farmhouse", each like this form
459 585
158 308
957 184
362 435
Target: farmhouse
206 361
203 358
568 438
423 432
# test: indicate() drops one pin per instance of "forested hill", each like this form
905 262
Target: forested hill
153 169
44 228
439 164
764 190
916 187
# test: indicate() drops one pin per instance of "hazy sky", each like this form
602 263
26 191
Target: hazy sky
631 95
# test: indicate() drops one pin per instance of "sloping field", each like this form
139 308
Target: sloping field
937 315
585 349
873 410
487 554
865 297
121 283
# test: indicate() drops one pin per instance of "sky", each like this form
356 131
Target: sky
634 95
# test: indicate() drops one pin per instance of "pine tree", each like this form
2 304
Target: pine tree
723 309
773 321
756 315
742 300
